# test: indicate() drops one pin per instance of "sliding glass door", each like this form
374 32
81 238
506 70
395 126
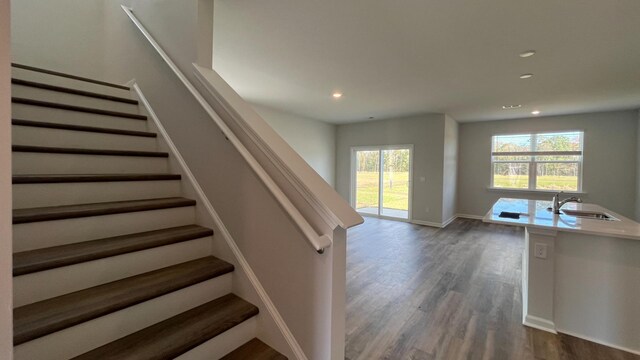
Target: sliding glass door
381 181
368 181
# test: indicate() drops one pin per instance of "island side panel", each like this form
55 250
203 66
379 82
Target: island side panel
597 289
538 286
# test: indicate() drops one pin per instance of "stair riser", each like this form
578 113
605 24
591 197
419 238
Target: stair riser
43 234
56 194
43 285
38 136
29 92
224 343
51 163
61 116
81 338
66 82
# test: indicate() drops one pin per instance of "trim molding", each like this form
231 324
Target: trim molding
426 223
469 216
601 342
451 219
446 223
224 232
318 241
539 323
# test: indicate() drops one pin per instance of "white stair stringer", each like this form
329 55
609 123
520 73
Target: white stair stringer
53 194
47 284
71 117
29 236
56 80
55 163
35 93
78 339
39 136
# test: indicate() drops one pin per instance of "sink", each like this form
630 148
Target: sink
589 214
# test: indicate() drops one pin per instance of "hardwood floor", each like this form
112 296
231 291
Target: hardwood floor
422 293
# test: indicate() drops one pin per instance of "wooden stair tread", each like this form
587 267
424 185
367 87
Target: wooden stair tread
179 334
75 77
27 262
68 90
254 350
96 209
49 104
43 124
51 315
76 178
79 151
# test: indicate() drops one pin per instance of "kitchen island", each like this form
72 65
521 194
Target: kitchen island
580 270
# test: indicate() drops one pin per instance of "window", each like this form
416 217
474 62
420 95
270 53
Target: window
543 161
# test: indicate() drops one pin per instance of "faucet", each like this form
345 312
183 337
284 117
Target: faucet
557 203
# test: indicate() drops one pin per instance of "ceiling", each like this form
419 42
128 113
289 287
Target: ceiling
460 57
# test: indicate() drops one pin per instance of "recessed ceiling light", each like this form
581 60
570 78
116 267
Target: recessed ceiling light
509 107
535 112
337 95
526 76
527 53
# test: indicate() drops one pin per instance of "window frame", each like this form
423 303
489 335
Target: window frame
353 177
533 171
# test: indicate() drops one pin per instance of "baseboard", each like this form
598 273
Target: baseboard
468 216
452 219
223 231
601 342
444 224
426 223
540 324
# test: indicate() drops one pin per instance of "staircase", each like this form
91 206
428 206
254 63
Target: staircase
109 262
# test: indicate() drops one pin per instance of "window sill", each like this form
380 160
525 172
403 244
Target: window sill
529 191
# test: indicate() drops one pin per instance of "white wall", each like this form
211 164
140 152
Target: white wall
314 140
6 293
450 170
425 133
610 148
42 37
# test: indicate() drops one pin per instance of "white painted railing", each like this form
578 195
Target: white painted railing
328 209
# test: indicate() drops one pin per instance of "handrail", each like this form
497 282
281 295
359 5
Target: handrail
318 241
331 207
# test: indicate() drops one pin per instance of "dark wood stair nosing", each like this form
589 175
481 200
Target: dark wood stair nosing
69 76
72 91
51 315
49 213
27 262
54 105
79 178
177 335
50 125
80 151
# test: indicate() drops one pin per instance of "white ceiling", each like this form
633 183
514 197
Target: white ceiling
405 57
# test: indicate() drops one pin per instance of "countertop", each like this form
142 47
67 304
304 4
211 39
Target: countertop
536 214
